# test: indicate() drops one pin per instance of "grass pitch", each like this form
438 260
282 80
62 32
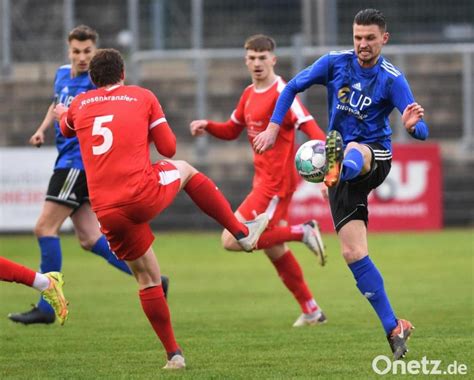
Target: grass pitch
233 316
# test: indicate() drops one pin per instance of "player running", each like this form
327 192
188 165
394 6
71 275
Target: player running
114 125
275 176
363 89
67 194
49 284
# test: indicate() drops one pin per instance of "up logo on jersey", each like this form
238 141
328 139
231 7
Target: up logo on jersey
353 102
346 96
65 99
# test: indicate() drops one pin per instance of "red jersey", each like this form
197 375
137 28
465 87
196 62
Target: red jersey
275 172
114 127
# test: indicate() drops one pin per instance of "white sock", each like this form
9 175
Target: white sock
41 282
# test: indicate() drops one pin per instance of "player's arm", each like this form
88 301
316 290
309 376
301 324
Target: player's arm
163 137
314 74
37 139
412 112
64 116
228 130
159 129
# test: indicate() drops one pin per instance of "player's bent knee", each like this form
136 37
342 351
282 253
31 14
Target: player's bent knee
186 170
353 145
353 256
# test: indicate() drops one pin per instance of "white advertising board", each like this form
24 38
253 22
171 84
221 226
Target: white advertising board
24 178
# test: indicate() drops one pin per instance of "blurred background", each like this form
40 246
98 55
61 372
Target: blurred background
190 53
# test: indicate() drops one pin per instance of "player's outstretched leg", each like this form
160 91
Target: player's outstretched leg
14 272
207 196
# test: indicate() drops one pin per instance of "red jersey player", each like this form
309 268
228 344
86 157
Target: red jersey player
275 176
49 284
114 125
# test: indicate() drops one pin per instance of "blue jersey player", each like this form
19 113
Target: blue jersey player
67 194
363 88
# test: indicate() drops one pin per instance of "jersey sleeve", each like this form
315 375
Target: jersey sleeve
317 73
232 128
228 130
160 132
402 96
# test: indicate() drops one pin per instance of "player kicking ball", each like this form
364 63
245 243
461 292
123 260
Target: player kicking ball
363 88
114 125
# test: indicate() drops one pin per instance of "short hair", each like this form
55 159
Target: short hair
106 67
83 33
260 42
370 16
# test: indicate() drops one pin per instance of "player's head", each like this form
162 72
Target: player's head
107 68
369 34
260 58
82 42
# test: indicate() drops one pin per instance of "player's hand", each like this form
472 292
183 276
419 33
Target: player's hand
266 140
412 115
37 139
198 127
58 110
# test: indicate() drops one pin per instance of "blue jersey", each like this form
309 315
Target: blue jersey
360 100
65 89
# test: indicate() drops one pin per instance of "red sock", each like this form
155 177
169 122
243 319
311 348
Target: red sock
278 235
156 309
292 276
209 199
13 272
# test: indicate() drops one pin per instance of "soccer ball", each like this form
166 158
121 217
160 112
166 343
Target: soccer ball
310 161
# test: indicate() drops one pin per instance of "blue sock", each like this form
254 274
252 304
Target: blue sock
370 284
352 164
51 261
101 248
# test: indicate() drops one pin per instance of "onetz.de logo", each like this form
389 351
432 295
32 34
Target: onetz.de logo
383 365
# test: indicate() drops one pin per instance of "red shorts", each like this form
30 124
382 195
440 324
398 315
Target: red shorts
127 227
275 207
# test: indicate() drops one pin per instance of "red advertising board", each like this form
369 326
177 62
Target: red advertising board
410 198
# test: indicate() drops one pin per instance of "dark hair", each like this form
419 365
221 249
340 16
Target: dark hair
371 16
83 33
260 42
106 67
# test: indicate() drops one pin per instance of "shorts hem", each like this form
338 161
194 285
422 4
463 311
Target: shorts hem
64 202
354 215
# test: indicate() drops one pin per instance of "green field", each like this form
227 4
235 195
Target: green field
233 316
